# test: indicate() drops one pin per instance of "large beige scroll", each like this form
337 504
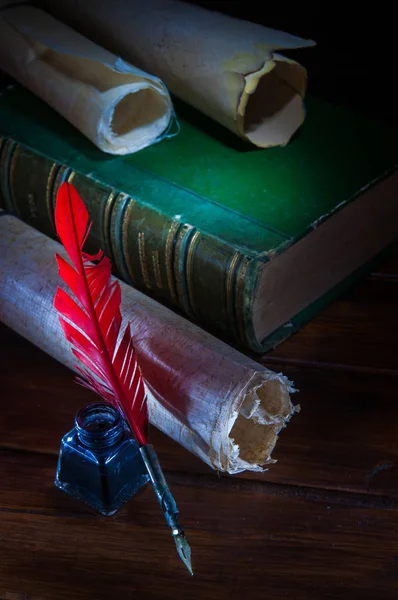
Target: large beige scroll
228 68
214 401
120 108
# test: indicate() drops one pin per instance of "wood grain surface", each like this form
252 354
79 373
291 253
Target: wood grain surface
320 523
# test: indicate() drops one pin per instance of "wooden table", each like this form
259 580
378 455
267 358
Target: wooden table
321 523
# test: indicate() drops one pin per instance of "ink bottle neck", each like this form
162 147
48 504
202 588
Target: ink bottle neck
99 426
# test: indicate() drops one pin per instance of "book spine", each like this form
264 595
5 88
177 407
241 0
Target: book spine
201 276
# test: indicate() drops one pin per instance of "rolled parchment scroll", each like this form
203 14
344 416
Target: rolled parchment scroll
227 68
217 403
120 108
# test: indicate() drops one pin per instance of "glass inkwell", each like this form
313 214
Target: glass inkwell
99 460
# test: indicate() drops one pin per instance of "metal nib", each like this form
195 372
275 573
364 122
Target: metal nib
167 502
184 551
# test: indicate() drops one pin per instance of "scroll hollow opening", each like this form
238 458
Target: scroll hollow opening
137 109
274 110
262 416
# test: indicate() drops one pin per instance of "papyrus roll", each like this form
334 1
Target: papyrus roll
214 401
228 68
120 108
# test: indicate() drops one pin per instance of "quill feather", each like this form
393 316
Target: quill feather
91 318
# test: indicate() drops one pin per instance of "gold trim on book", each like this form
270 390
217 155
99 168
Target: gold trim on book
115 237
106 233
229 289
143 260
50 191
62 175
180 274
239 298
189 269
10 144
125 245
169 259
71 177
156 268
180 235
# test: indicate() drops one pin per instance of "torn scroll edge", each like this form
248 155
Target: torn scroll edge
252 428
246 431
247 428
271 105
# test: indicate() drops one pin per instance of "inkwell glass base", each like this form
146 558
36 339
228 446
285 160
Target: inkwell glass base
99 461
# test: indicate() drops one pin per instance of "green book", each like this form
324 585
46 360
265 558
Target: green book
252 242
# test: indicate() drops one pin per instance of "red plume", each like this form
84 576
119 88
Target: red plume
93 326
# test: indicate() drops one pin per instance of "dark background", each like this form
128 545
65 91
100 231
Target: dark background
355 59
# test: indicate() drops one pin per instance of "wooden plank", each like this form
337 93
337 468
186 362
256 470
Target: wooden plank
360 329
245 542
344 437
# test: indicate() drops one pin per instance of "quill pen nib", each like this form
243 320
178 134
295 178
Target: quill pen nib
167 503
184 550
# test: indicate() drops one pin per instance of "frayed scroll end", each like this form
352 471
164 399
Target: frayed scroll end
264 412
271 108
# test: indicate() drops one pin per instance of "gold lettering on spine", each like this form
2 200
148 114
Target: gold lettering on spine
229 290
169 260
156 268
239 299
127 219
32 206
189 268
143 261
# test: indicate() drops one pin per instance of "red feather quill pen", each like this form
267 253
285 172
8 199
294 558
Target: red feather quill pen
93 328
92 324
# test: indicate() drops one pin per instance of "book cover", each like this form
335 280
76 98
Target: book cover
250 241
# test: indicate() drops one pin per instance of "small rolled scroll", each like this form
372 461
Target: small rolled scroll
227 68
120 108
